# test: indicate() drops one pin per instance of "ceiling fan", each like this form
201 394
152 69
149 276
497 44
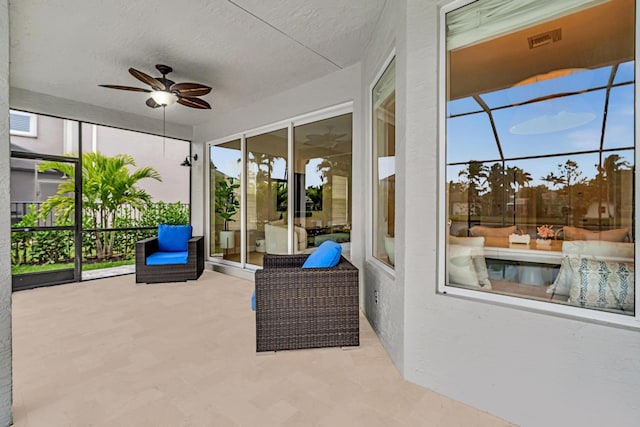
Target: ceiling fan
165 92
328 139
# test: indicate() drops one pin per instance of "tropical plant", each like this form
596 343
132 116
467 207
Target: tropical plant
517 177
165 213
107 184
314 193
476 175
21 240
569 174
227 205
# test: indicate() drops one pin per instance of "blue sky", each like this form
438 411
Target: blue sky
567 124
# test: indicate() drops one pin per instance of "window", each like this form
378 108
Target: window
23 124
383 97
539 154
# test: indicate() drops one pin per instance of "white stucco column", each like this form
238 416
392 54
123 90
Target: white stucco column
6 397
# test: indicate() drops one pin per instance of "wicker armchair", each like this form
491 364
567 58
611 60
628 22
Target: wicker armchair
170 272
306 308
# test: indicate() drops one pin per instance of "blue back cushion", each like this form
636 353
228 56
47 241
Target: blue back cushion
173 238
327 255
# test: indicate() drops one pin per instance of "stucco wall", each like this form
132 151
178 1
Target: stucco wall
5 239
531 368
387 315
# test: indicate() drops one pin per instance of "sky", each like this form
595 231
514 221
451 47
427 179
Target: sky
560 125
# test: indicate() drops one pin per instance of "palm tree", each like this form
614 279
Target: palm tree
608 179
497 196
569 174
107 184
314 193
518 177
476 175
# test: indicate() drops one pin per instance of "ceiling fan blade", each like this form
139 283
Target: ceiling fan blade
145 78
134 89
194 102
153 104
190 89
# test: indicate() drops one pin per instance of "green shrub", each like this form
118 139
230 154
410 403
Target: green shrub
165 213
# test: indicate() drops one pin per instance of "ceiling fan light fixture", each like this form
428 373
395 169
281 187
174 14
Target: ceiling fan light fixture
164 98
165 92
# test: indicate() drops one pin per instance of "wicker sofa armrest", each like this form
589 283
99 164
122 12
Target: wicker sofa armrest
195 242
147 247
283 261
196 253
302 277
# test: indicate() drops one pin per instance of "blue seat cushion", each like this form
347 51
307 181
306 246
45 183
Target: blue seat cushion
327 255
253 301
167 258
173 238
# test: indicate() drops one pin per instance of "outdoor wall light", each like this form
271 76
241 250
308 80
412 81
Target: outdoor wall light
186 161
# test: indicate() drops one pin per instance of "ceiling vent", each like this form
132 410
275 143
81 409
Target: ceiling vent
545 38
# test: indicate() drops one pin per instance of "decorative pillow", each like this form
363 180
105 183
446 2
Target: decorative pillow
602 284
460 268
479 263
576 233
481 230
477 242
327 255
598 248
173 238
562 284
584 248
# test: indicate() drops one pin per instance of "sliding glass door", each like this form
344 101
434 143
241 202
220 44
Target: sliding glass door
267 195
322 181
311 157
225 178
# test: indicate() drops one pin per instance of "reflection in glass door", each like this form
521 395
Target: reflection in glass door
322 182
43 220
267 195
224 199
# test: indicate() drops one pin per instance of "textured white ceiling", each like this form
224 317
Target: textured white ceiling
244 49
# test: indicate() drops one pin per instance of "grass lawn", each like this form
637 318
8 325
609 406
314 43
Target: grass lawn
24 269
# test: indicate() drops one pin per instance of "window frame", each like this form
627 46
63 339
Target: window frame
565 311
373 198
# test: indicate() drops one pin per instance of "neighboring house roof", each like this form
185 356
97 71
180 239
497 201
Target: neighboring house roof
15 147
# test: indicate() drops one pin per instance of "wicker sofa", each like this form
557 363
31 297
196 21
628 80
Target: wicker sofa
170 272
306 308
